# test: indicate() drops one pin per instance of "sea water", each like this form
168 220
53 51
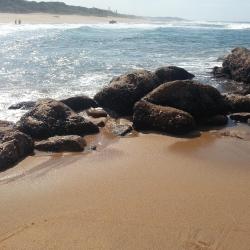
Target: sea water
63 60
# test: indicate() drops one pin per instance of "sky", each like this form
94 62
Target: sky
213 10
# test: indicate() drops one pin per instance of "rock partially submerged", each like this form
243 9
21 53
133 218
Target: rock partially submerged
49 118
197 99
236 66
69 143
14 146
124 91
148 116
80 103
173 73
23 105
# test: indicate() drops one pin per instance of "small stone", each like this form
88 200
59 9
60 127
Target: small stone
70 143
97 112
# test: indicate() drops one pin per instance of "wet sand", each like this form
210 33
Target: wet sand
147 192
40 18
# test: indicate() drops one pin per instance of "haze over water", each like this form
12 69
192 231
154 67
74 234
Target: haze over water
57 61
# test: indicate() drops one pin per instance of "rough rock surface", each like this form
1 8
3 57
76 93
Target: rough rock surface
14 146
148 116
119 127
50 117
5 125
124 91
172 73
23 105
68 143
197 99
80 103
236 66
238 103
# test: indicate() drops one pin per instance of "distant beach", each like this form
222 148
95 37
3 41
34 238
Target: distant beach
41 18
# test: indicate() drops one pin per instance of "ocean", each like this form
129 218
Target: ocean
63 60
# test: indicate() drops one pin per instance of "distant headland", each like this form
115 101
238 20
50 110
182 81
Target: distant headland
26 7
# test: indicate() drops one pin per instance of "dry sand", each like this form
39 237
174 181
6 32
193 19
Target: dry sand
41 18
148 192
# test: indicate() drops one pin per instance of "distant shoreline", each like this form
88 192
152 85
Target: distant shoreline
41 18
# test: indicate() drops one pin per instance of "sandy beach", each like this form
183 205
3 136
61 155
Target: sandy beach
41 18
146 192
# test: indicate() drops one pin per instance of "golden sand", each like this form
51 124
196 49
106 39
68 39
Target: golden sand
148 192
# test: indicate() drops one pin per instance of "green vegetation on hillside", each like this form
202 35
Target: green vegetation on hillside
22 6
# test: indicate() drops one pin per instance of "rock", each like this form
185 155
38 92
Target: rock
100 122
217 120
241 117
218 72
124 91
80 103
172 73
14 146
148 116
97 112
69 143
5 125
119 127
49 118
197 99
122 130
23 105
244 91
236 65
238 103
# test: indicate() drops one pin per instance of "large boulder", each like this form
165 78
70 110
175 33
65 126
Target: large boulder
173 73
148 116
197 99
14 146
80 103
236 66
50 117
124 91
238 103
68 143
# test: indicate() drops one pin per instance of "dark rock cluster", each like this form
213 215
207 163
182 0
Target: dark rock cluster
167 100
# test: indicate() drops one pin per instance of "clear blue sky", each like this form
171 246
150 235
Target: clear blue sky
228 10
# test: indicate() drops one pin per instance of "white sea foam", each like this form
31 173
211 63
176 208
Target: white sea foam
6 29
